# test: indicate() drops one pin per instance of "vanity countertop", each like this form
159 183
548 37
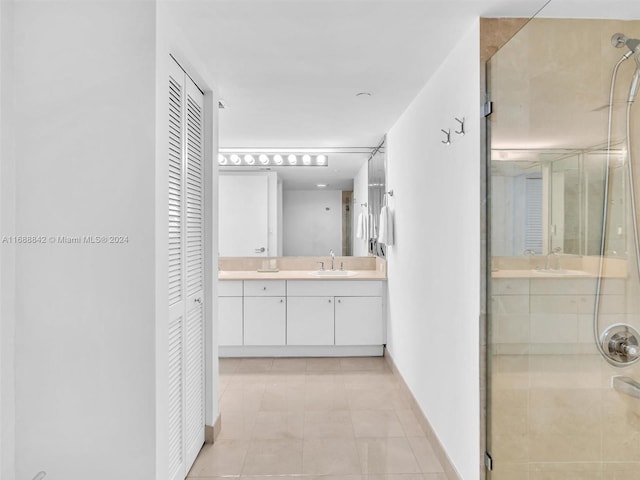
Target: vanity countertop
298 275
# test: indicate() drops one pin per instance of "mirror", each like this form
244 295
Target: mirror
377 187
296 215
546 201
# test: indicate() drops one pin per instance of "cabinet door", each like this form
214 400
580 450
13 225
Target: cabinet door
310 321
359 321
230 321
264 320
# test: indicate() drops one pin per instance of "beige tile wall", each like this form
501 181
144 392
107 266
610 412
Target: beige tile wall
553 413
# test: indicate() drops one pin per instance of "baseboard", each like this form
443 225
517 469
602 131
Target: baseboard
245 351
447 465
211 432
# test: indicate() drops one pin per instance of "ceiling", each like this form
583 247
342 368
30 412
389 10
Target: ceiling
289 71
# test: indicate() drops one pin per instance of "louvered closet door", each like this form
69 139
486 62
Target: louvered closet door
185 273
194 274
176 273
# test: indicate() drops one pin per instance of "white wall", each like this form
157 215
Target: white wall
360 195
7 252
85 156
434 268
312 222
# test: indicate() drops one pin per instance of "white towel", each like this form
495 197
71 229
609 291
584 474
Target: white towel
386 226
360 226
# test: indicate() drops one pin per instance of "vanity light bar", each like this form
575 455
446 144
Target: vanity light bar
272 160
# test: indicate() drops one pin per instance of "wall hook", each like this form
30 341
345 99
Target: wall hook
448 134
461 122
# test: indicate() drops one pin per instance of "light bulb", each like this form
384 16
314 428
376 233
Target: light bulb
277 159
306 159
249 160
292 159
321 159
263 159
222 160
235 159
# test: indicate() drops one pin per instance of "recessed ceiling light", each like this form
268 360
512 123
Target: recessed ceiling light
322 185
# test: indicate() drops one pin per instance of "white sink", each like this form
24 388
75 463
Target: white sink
333 273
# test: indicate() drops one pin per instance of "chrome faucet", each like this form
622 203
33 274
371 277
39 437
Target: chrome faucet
555 253
333 257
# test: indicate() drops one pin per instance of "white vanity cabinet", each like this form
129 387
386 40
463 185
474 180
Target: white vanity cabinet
359 321
264 312
310 320
341 312
301 318
230 329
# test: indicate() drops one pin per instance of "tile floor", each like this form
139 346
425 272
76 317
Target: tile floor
316 419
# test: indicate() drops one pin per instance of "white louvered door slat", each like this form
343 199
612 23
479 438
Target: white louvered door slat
175 273
194 274
176 400
175 188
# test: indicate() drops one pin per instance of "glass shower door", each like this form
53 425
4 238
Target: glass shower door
562 256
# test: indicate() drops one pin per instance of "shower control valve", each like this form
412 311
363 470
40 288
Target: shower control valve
620 342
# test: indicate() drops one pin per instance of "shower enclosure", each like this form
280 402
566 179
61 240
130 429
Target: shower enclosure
563 388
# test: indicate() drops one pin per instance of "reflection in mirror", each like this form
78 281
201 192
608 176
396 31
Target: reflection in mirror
377 189
294 211
547 201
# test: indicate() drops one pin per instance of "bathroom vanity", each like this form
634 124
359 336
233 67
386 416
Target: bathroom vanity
301 313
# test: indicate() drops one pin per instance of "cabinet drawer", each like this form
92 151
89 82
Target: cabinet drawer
345 288
264 288
230 288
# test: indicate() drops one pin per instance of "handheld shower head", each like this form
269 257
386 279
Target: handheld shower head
620 40
635 80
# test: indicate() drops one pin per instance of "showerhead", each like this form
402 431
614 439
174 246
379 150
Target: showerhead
619 40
